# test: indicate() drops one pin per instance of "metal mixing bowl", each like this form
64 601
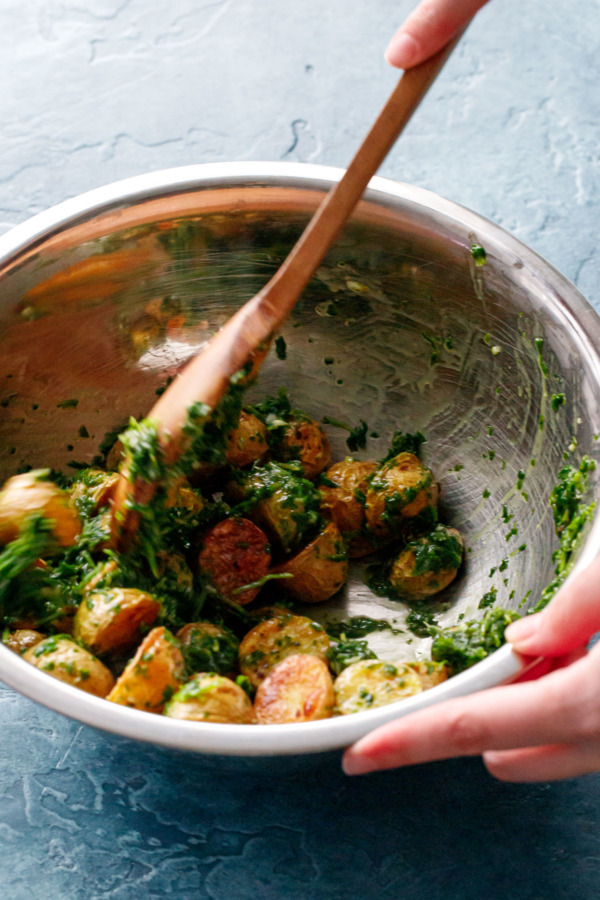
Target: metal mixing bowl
107 295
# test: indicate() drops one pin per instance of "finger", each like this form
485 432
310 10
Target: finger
567 623
554 709
549 763
550 664
428 28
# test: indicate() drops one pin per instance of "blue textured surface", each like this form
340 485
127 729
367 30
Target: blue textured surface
95 90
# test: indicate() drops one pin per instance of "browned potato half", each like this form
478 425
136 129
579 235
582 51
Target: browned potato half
272 640
96 487
345 504
428 564
211 698
318 571
298 689
398 491
181 493
305 440
22 639
235 553
109 621
155 673
371 683
31 493
247 443
431 673
62 658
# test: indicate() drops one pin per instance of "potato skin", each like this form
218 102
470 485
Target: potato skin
399 490
345 504
153 676
319 570
31 493
211 698
274 639
62 658
430 673
247 443
20 640
407 578
305 440
371 683
234 553
109 621
298 689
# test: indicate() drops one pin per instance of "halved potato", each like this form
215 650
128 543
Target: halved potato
22 639
153 676
305 440
371 683
207 647
32 493
247 443
298 689
319 570
428 564
430 673
344 504
211 698
109 621
235 553
273 639
62 658
95 488
398 491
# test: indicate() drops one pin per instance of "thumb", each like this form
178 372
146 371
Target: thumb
567 623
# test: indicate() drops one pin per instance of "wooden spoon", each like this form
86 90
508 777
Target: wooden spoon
247 334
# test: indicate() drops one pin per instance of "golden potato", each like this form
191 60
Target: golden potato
22 639
371 683
399 490
109 621
247 443
181 493
304 440
62 658
235 553
430 673
428 564
29 494
211 698
345 504
273 639
94 489
319 570
153 676
207 647
298 689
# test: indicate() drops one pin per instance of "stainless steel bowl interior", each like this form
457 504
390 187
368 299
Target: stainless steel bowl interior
105 297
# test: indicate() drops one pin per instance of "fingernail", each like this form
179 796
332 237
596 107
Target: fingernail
402 51
518 632
355 765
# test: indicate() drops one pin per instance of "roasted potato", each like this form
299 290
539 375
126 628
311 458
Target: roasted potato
32 493
208 648
344 504
398 491
20 640
428 564
280 501
319 570
109 621
181 493
304 439
273 639
372 683
247 443
298 689
94 489
64 659
153 676
211 698
235 553
430 673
